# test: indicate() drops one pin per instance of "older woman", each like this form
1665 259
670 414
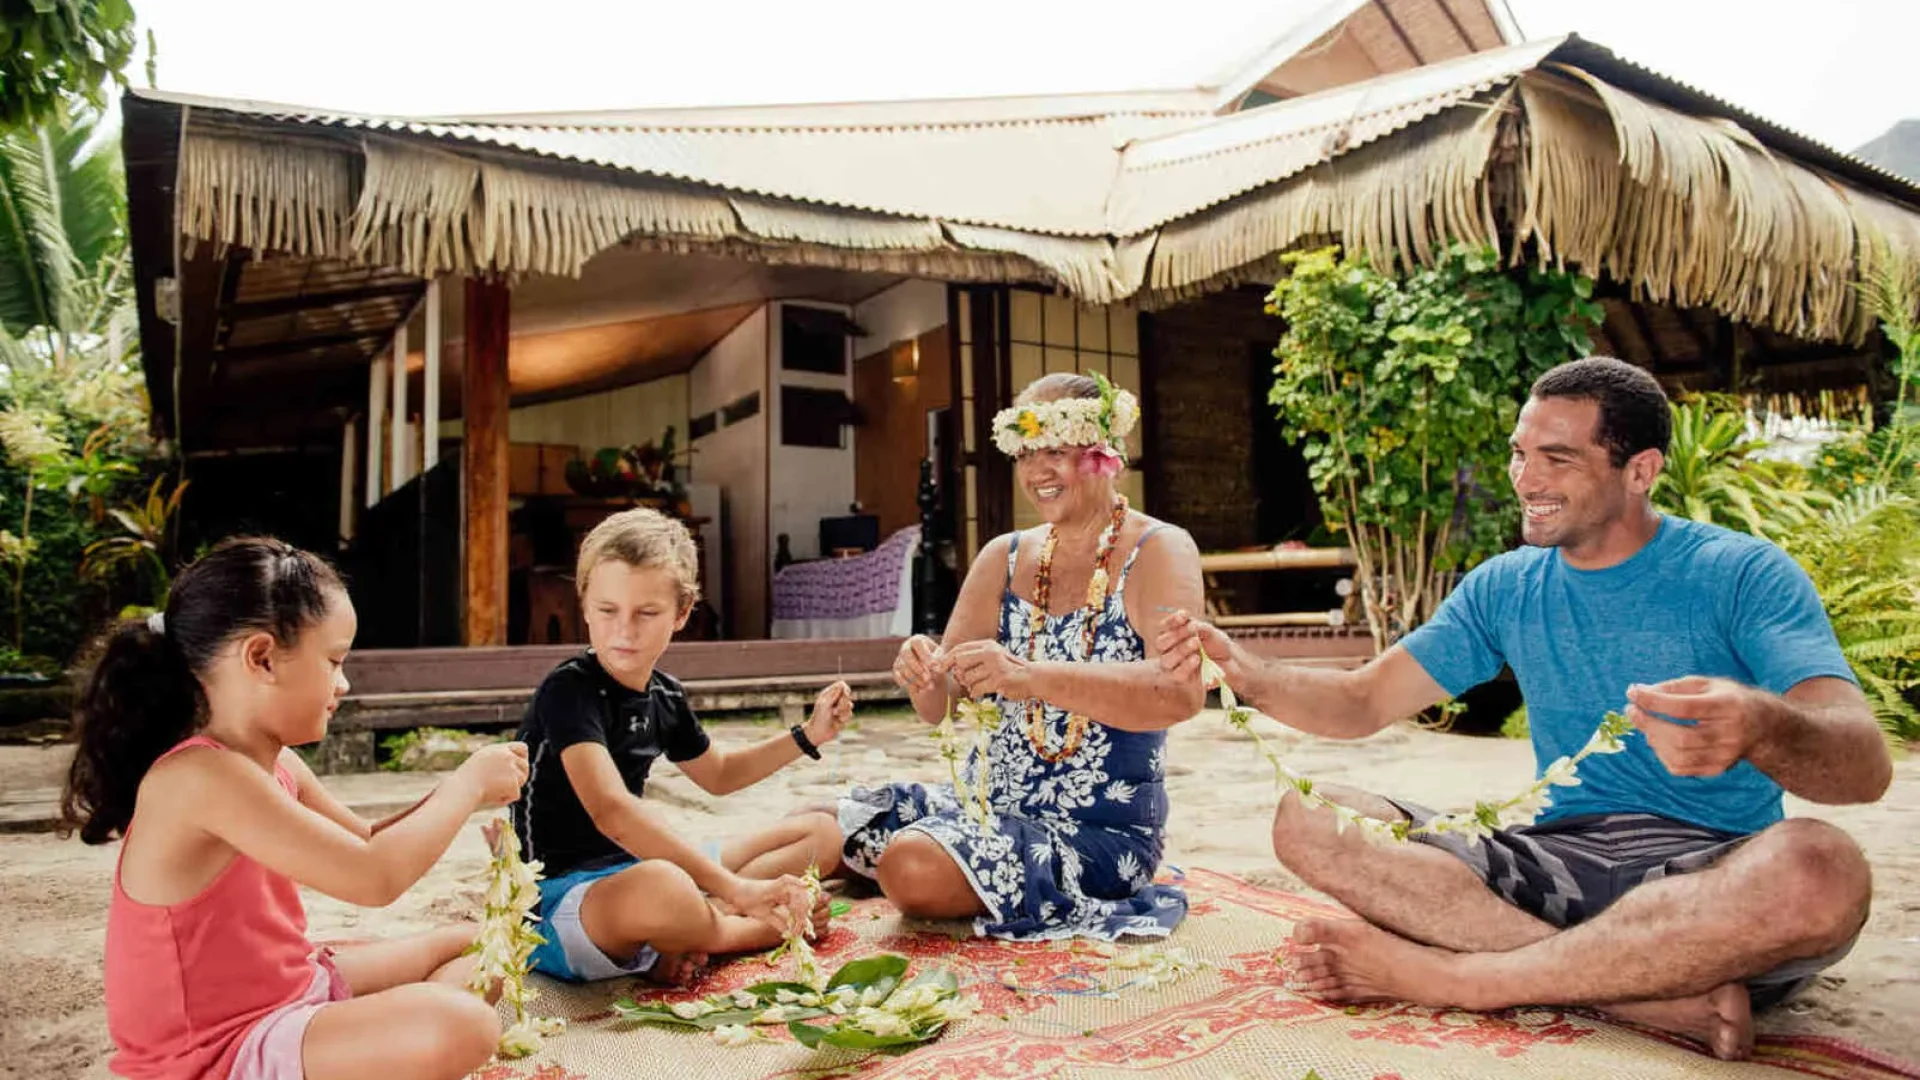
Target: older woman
1050 623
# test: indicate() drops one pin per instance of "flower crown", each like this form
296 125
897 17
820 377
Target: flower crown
1047 425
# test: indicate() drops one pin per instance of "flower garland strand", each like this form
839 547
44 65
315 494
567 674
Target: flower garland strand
1097 597
799 930
507 939
1474 824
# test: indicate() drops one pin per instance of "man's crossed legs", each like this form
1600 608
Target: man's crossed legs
1653 921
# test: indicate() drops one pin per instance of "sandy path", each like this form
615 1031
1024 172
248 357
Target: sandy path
54 892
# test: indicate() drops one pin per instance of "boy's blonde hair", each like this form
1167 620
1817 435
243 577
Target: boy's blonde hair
643 538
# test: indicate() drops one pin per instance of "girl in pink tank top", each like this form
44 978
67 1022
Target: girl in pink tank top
183 728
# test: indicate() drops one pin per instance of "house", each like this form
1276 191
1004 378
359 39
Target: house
391 333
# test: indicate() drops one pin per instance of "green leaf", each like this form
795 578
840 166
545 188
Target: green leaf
839 908
850 1038
884 970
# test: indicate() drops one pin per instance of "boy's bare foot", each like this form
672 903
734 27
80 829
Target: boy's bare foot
677 969
1722 1019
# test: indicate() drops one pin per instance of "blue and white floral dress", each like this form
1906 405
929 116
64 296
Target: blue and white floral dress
1071 847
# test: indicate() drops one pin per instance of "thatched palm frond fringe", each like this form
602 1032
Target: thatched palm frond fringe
413 205
770 219
285 195
1401 198
949 264
1085 267
1694 211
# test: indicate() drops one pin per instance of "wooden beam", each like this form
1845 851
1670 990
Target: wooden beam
1447 10
1278 559
285 346
1640 323
1400 33
484 395
238 310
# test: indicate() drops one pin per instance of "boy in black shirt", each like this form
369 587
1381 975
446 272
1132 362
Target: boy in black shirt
622 894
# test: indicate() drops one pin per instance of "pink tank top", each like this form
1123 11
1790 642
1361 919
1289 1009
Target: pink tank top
186 981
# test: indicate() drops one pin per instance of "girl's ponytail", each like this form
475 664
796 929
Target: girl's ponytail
144 694
139 700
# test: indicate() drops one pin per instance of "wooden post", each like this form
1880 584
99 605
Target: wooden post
376 431
399 448
483 407
349 471
430 384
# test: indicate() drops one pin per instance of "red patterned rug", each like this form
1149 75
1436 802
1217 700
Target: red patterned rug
1043 1014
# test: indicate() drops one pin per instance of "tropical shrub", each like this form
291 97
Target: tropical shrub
1401 392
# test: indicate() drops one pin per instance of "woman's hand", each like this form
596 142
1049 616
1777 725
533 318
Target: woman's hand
915 667
984 667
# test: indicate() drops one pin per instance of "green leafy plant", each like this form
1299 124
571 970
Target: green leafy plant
53 51
1401 392
142 544
1712 476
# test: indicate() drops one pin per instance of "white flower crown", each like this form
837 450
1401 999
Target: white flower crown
1048 425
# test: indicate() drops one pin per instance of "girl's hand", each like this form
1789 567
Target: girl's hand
831 711
983 667
913 668
494 774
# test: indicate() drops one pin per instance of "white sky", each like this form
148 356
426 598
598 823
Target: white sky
1841 71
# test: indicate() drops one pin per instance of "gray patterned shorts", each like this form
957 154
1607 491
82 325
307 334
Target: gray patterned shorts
1567 871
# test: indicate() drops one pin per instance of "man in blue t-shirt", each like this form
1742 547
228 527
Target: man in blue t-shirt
1664 887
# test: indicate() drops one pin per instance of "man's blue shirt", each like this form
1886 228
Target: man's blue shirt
1696 600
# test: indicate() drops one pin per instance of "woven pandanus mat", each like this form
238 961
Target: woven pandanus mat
1047 1009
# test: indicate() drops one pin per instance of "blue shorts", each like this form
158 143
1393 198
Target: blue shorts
568 953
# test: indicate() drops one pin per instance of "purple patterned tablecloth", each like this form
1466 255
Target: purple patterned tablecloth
847 588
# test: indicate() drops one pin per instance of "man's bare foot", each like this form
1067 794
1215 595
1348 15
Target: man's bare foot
677 969
1351 960
1722 1019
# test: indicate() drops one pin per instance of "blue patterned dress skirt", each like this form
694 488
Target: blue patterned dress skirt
1070 847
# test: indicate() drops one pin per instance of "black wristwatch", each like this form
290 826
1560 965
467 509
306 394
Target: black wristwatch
805 744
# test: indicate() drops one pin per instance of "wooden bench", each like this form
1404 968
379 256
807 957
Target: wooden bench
489 687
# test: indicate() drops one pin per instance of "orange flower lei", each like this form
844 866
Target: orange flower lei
1098 593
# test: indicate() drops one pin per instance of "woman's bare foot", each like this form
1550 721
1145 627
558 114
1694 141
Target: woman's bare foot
1351 960
1722 1019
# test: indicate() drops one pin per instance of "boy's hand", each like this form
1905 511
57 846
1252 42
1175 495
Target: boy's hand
494 775
831 711
776 902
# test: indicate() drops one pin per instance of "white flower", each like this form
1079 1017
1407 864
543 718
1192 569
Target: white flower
880 1022
519 1040
785 997
1562 773
733 1035
871 996
1526 806
776 1014
744 1000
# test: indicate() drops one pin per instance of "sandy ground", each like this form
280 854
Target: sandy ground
53 892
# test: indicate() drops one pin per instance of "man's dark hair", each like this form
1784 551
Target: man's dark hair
1634 414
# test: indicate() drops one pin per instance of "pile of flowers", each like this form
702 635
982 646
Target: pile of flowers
864 1006
507 939
1474 824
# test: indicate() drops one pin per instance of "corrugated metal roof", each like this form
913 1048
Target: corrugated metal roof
1166 177
1079 166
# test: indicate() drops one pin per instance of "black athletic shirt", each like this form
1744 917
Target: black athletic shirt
579 702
